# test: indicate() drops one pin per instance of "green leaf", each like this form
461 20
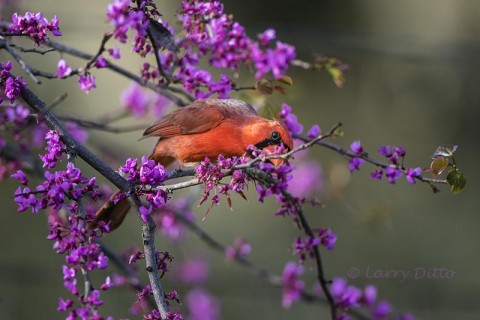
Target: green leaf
337 76
264 86
456 180
285 80
446 150
438 165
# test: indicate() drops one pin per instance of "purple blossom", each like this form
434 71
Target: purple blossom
114 52
130 168
6 68
101 62
382 310
267 36
107 285
24 199
151 173
369 295
226 45
392 153
87 82
71 286
160 105
63 69
327 238
17 114
137 255
304 247
123 18
193 271
35 26
64 305
392 174
68 273
355 163
79 133
222 87
202 306
377 174
144 212
412 173
94 298
55 149
20 175
345 296
241 248
135 100
356 147
292 285
307 180
314 132
13 87
290 119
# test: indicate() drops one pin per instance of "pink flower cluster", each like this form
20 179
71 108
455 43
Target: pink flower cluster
304 246
147 173
13 86
348 296
35 25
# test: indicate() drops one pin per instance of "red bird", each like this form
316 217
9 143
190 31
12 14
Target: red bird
206 128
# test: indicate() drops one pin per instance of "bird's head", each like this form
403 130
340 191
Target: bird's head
268 135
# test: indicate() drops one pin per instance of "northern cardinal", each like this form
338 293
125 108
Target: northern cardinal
205 128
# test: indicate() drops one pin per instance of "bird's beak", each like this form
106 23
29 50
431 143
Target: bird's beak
272 150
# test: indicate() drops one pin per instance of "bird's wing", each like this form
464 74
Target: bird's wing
200 116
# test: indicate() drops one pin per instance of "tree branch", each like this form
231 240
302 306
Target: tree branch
75 148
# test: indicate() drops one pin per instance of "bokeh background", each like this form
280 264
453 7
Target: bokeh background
413 81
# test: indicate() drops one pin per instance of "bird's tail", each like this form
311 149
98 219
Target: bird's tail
115 212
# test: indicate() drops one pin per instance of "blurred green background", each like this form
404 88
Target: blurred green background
413 81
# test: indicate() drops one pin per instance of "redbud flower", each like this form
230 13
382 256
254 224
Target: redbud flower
355 164
392 174
356 147
135 100
344 295
377 174
202 306
114 52
35 26
382 310
290 119
63 69
87 82
240 248
193 271
292 285
101 62
412 173
144 212
314 132
20 175
267 36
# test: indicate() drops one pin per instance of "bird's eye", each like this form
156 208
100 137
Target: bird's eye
275 135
